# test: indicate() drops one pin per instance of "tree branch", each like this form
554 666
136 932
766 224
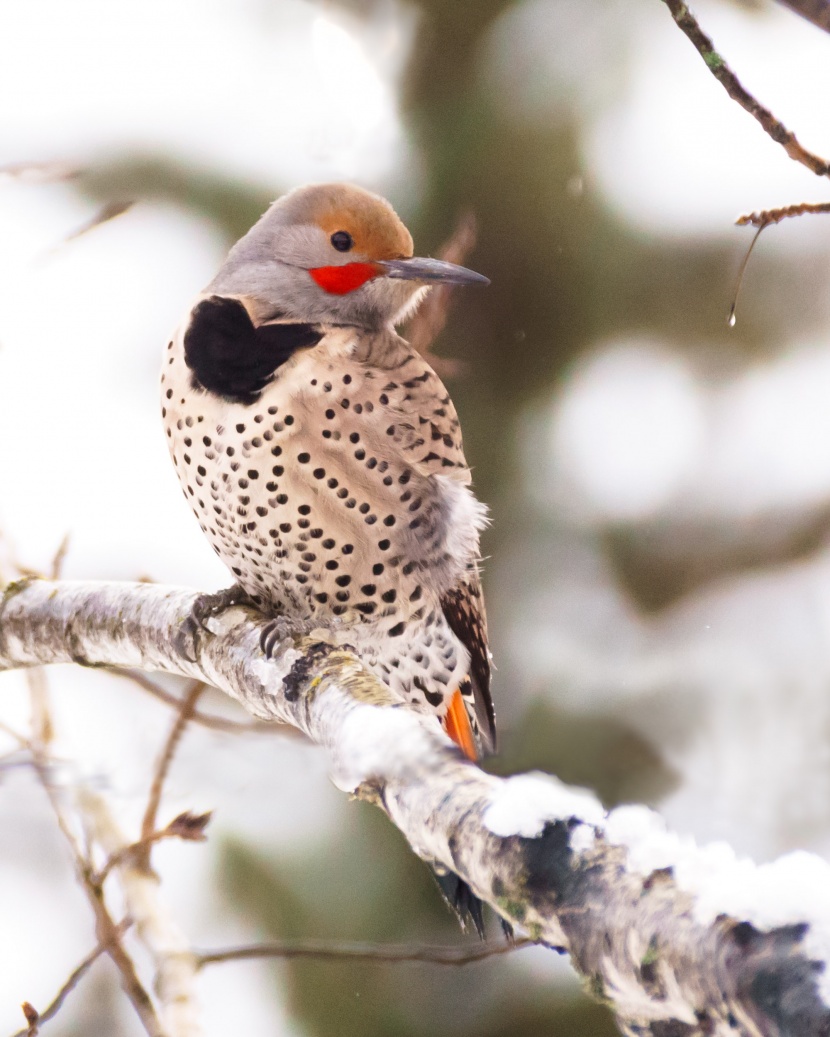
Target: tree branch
815 11
775 129
677 939
322 950
175 965
148 822
208 720
69 984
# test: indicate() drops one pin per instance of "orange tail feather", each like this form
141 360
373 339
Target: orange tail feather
457 725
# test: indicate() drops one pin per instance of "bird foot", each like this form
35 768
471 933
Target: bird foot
280 629
204 608
273 634
208 606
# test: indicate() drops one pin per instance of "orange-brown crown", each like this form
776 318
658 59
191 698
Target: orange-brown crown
376 229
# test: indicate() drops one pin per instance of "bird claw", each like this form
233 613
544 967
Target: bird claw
273 634
208 606
204 608
280 629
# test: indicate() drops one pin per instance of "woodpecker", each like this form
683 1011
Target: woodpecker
322 455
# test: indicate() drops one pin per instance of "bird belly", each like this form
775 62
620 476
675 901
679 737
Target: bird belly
316 511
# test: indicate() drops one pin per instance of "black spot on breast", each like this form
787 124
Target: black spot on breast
232 358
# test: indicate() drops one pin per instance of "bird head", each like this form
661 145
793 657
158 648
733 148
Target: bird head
332 254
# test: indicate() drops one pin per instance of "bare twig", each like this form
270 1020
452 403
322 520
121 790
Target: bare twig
104 215
40 172
213 723
389 953
188 827
431 317
148 822
716 64
107 930
21 740
32 1018
154 925
763 219
71 982
56 569
766 217
42 729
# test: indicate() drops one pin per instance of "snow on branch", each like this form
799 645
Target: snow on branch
679 940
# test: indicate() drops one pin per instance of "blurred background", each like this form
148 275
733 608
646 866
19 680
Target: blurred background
658 570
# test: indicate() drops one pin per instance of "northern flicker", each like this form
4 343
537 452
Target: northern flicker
322 455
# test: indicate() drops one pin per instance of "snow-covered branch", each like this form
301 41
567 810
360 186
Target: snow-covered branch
679 940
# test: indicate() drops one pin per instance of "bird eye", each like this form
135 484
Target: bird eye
342 240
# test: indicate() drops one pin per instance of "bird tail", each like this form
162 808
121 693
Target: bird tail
458 726
461 900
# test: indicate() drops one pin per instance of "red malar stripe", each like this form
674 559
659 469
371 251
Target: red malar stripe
339 280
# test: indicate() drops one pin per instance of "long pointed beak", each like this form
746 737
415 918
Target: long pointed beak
431 270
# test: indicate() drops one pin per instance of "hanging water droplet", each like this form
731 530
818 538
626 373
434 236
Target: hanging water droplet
732 318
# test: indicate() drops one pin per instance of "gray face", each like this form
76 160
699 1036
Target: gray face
272 264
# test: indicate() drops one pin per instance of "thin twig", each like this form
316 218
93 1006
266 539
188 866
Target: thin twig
56 569
775 129
43 731
104 215
155 929
766 217
148 822
213 723
40 172
763 219
131 852
21 740
106 929
72 981
392 953
32 1018
431 317
186 826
